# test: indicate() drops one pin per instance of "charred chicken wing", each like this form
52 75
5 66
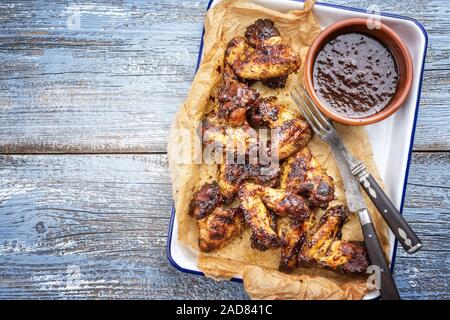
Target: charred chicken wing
231 176
285 204
205 200
292 131
259 202
261 55
346 257
323 248
270 60
291 234
234 100
235 140
303 174
234 96
261 31
320 239
217 225
258 217
219 228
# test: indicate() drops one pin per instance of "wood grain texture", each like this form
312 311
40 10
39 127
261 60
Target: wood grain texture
92 222
113 84
107 216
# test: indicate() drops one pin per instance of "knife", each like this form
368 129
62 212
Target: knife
355 202
324 128
398 225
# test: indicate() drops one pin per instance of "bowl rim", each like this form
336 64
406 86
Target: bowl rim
399 95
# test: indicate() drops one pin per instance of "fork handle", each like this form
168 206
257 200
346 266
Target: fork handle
384 279
398 225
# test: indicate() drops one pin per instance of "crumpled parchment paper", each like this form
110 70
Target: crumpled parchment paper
259 270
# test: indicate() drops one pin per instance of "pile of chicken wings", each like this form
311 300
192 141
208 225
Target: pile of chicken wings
278 203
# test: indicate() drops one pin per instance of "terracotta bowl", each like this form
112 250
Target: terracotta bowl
391 40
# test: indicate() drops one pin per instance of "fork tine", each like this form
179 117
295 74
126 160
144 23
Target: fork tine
305 114
322 117
317 123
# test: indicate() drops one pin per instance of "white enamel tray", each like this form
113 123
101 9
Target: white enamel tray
392 139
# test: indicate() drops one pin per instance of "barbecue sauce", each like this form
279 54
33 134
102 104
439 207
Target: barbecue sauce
355 75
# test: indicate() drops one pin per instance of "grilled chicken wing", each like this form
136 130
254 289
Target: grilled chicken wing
231 176
266 62
258 245
234 100
302 173
285 204
261 221
258 33
346 257
219 228
234 96
237 50
262 55
239 140
261 31
320 239
259 202
205 200
291 234
292 131
322 247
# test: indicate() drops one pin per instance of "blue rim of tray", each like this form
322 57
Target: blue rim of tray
405 183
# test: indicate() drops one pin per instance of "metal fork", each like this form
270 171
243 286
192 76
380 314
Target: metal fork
325 130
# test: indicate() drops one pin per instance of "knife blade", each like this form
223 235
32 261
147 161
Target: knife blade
355 200
348 164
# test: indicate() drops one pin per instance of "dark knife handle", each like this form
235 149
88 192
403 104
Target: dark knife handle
401 229
388 289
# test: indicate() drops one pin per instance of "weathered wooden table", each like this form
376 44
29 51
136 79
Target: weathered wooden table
88 90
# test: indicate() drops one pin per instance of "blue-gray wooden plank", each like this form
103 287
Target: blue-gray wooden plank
107 217
93 226
114 82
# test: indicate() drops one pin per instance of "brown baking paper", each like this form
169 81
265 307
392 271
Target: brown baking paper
259 270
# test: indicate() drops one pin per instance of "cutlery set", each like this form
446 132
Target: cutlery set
354 174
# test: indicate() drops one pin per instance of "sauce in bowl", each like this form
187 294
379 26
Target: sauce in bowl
355 75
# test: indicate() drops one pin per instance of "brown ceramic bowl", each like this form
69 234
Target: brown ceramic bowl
391 40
